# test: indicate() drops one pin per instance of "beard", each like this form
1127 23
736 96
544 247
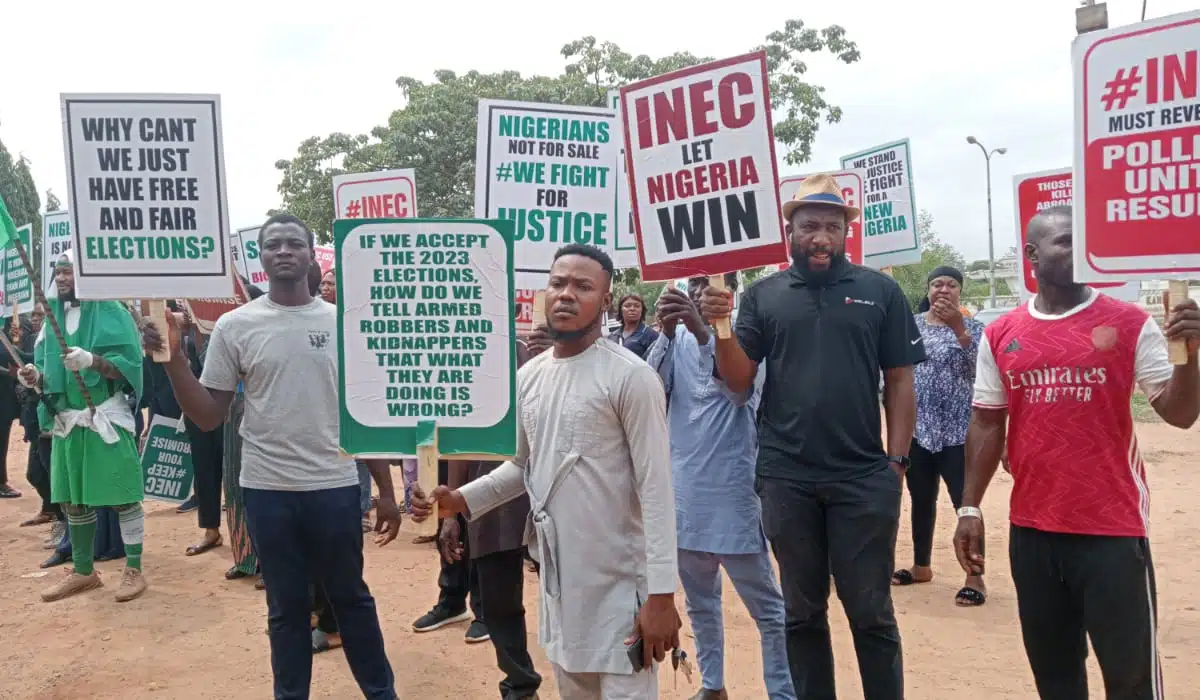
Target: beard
818 277
558 335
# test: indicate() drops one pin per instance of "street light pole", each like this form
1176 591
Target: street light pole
987 157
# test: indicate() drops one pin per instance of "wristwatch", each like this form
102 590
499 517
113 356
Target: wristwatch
903 462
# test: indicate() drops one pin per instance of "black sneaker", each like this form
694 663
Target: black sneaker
438 618
187 506
477 632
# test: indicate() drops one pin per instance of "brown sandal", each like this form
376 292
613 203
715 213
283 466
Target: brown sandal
203 547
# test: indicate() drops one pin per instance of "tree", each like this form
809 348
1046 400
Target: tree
913 278
434 132
52 203
21 198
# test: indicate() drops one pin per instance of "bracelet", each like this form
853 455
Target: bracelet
970 512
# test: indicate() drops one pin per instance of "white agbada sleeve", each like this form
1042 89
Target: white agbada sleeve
642 407
502 484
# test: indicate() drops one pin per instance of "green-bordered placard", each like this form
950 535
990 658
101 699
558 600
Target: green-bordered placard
426 329
18 288
889 207
167 461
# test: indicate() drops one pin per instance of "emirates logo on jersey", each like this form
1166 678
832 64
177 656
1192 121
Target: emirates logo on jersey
1054 384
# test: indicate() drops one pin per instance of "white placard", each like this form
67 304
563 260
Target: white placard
147 190
551 169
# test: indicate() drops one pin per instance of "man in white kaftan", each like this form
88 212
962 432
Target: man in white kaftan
594 454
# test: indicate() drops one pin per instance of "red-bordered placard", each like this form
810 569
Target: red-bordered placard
700 158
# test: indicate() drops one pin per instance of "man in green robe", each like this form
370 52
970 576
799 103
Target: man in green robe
94 459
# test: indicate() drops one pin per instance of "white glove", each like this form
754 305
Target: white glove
29 376
77 359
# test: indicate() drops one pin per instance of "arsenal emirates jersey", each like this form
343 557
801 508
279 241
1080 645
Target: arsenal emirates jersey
1066 381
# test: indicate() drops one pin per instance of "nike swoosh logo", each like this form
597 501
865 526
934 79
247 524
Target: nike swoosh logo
915 341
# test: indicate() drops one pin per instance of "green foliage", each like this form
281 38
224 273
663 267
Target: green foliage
22 200
434 132
935 253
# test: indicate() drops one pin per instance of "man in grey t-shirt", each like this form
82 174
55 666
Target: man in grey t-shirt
301 493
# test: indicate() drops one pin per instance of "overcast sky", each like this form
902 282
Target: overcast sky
934 71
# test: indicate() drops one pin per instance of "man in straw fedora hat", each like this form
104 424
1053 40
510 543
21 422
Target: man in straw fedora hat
830 490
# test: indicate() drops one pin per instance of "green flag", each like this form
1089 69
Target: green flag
8 230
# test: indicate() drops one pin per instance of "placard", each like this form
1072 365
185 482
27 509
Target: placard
1137 142
206 312
700 154
167 461
248 261
18 288
426 333
889 206
56 240
1036 192
550 169
524 311
851 182
386 194
147 189
624 251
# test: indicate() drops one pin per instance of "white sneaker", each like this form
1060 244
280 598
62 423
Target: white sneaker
57 530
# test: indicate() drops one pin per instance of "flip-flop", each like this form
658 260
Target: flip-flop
904 577
7 491
968 597
203 547
234 574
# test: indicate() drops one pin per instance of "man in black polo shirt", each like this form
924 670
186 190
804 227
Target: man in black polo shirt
830 492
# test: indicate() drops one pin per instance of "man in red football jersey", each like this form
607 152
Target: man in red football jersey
1061 371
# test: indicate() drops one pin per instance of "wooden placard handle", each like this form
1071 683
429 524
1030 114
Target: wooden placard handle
155 311
427 471
721 324
1177 291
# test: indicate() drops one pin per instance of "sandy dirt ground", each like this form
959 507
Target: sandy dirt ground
195 635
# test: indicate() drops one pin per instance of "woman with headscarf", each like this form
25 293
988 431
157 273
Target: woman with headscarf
944 385
634 334
245 563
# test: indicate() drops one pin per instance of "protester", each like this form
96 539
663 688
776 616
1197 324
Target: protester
458 581
1059 371
718 515
593 438
208 452
494 548
830 492
327 287
94 457
634 334
301 495
944 385
10 411
245 562
37 467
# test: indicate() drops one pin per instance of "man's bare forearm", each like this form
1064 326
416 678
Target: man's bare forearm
737 369
984 447
1179 402
195 400
381 473
900 409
